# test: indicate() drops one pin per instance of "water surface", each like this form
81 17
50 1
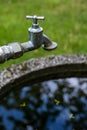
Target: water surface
51 105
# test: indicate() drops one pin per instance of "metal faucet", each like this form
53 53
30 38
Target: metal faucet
36 39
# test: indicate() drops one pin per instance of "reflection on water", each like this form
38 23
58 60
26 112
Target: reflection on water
51 105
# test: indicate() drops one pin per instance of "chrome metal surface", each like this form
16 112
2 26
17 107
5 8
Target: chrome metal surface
36 39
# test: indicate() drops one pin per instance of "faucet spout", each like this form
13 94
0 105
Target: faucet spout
48 44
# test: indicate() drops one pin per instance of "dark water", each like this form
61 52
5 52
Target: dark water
51 105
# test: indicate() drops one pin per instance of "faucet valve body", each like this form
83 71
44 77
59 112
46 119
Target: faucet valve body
36 35
35 31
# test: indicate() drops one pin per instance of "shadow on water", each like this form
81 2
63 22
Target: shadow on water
51 105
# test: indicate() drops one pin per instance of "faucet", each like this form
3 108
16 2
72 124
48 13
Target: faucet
36 39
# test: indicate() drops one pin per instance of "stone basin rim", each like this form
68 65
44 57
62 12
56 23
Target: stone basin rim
42 69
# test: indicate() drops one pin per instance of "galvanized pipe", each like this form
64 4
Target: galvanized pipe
10 51
13 50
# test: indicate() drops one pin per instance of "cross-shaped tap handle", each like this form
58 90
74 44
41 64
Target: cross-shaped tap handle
35 18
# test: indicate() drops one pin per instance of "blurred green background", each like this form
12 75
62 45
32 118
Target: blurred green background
65 23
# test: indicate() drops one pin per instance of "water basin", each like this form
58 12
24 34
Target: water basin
45 94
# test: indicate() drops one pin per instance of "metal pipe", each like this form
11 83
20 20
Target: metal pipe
10 51
14 50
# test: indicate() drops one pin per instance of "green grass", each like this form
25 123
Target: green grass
65 23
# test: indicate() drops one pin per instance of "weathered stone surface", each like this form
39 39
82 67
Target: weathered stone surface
36 70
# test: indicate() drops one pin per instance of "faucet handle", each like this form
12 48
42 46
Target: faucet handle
35 18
